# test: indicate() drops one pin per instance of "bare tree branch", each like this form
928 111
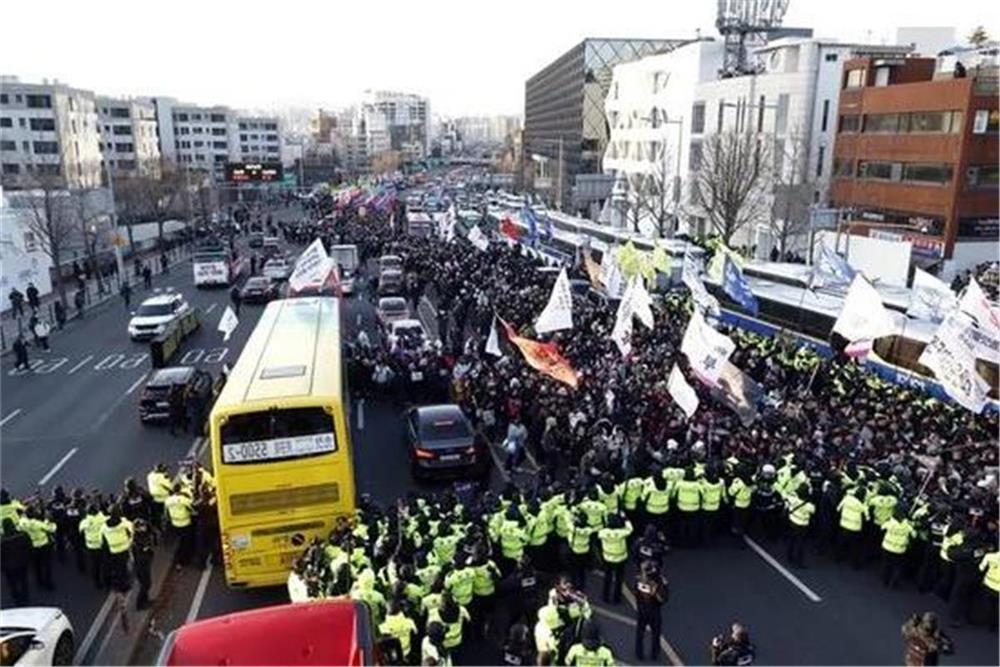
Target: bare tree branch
732 187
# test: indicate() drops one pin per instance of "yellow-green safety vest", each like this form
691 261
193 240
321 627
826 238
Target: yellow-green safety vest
711 495
852 513
688 495
897 535
991 565
119 538
179 510
614 545
92 527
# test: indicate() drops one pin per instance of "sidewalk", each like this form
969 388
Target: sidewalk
93 298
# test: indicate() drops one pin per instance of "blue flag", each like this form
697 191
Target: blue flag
736 286
829 268
530 219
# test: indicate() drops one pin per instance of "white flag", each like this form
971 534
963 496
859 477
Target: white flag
478 239
930 299
607 263
951 356
621 334
615 282
227 323
642 303
975 304
312 267
707 350
863 316
493 342
691 276
558 313
682 392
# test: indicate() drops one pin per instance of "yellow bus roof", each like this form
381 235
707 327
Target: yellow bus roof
293 352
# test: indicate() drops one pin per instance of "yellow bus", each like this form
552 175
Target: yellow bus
281 447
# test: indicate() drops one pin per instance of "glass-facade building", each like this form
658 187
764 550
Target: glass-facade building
564 106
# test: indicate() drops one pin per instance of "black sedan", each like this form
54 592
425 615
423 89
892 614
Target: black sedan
259 290
441 443
192 387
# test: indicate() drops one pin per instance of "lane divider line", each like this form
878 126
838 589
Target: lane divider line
80 365
10 416
199 593
361 413
210 308
782 570
51 473
135 385
95 627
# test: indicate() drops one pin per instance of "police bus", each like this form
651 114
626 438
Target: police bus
213 265
280 441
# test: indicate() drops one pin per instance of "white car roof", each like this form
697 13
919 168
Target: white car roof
28 617
160 299
407 324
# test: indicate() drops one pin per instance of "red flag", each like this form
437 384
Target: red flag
544 357
509 229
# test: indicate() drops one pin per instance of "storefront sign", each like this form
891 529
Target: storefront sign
979 228
921 245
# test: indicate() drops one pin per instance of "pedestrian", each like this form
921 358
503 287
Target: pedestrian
126 292
924 641
78 301
41 331
34 302
236 298
40 530
164 263
20 354
60 311
143 545
16 302
651 592
733 649
15 554
147 276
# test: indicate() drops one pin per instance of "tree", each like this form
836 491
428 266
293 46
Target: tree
659 204
979 36
792 189
91 210
151 198
49 219
637 191
732 186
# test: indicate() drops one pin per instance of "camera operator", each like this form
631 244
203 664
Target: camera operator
736 649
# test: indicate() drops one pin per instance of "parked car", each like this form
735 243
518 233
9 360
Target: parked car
407 328
256 241
271 246
390 263
36 636
441 442
391 309
390 283
277 269
259 289
155 314
154 401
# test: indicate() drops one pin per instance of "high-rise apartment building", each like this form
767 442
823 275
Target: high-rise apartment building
403 117
48 131
129 139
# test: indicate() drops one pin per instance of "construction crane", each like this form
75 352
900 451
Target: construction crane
743 25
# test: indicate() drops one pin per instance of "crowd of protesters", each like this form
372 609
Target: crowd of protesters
987 274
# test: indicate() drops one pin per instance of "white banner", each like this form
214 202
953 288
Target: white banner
312 267
558 313
706 349
863 316
478 239
975 304
228 323
621 334
691 276
641 303
279 448
493 342
682 392
951 356
615 283
931 299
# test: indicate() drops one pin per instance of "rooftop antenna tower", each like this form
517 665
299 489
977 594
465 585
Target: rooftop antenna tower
744 24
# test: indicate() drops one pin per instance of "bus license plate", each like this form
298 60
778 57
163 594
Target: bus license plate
451 457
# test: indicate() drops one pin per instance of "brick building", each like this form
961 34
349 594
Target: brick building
915 157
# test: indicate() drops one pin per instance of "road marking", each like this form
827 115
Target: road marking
199 593
770 560
194 447
210 308
136 383
95 627
665 646
81 364
621 618
57 466
361 414
10 416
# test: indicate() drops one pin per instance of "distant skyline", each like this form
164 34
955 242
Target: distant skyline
468 58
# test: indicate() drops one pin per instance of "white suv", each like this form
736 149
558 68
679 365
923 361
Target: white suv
155 314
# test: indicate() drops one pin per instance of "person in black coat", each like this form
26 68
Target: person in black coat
15 554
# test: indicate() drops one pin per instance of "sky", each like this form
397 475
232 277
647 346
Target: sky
469 57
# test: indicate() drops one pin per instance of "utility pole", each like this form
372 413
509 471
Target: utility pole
114 221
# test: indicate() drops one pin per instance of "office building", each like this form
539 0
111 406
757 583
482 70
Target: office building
48 131
129 139
195 137
565 132
916 155
404 120
257 139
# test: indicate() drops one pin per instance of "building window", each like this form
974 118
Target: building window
720 118
986 121
219 144
184 130
882 76
981 176
244 149
10 168
7 145
820 156
695 156
181 117
939 174
123 130
781 115
218 118
124 148
928 121
825 120
218 131
882 123
42 124
6 122
243 126
45 147
199 144
877 170
855 78
843 168
850 124
243 137
830 57
197 130
21 122
698 118
39 101
3 98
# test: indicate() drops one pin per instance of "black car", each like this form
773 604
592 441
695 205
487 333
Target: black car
256 241
259 290
194 385
441 443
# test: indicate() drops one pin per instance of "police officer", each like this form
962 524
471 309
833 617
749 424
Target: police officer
800 512
117 538
853 513
651 592
400 627
136 503
15 555
159 486
41 531
92 528
897 533
579 539
432 648
143 544
179 506
687 496
590 651
614 551
651 546
65 527
10 508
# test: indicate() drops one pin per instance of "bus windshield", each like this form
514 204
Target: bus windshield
205 257
277 435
